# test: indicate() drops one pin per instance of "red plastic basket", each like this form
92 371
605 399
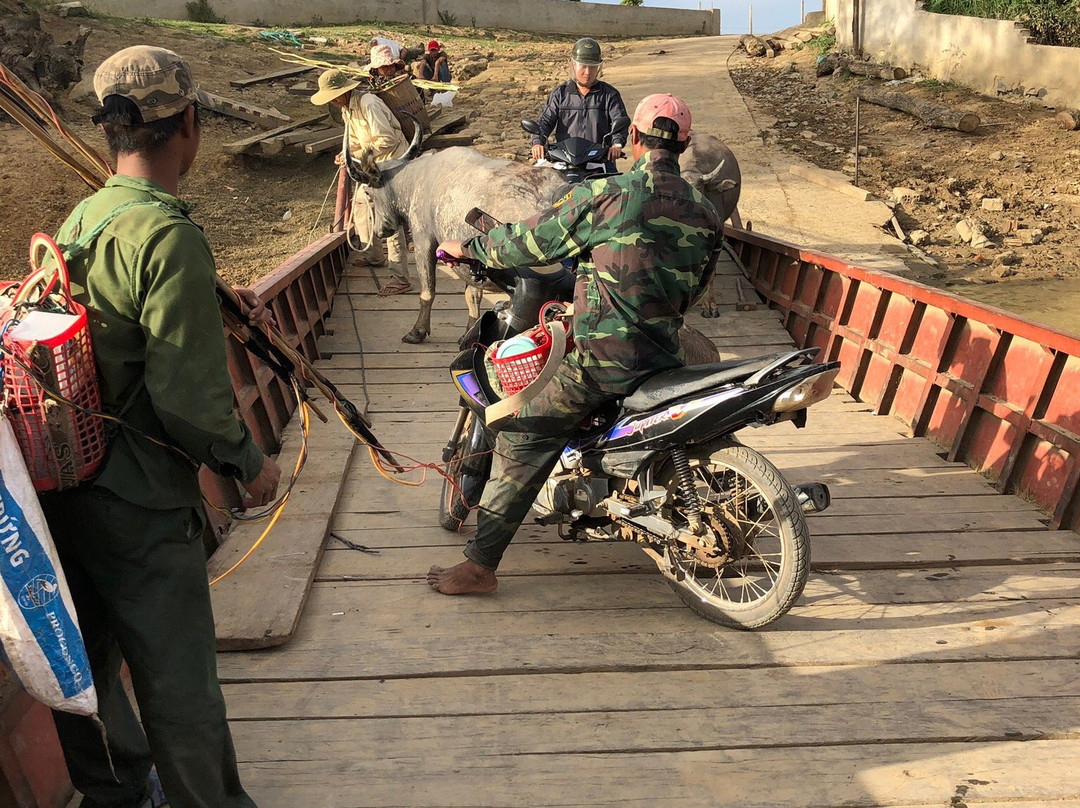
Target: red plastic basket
62 445
515 373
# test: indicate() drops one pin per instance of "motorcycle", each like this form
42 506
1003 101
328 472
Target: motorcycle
578 158
663 467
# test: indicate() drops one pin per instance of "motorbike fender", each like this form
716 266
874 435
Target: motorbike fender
467 368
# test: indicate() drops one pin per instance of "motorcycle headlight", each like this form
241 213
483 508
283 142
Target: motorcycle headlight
809 391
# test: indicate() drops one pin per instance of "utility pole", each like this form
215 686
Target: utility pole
751 19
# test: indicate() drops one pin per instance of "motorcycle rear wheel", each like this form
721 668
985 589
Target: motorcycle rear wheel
751 515
461 492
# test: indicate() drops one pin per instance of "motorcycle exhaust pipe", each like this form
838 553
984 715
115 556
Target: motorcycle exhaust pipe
813 497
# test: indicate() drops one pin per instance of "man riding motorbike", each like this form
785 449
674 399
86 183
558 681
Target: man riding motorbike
582 107
648 244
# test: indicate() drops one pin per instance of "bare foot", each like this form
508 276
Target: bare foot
466 578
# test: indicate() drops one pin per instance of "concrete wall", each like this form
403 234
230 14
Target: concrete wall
542 16
992 56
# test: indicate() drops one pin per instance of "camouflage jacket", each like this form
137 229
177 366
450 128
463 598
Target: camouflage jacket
647 244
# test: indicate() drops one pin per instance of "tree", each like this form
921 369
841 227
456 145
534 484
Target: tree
631 2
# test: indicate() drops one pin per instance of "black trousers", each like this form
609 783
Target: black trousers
138 579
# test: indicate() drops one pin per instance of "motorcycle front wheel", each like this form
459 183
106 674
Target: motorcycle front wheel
467 474
752 560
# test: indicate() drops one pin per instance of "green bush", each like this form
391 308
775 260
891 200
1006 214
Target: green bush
1051 22
202 11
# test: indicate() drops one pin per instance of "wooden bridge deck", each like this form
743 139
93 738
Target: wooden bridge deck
931 661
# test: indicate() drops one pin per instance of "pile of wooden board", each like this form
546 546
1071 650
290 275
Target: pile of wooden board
316 134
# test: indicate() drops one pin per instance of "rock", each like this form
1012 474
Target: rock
901 195
826 65
863 151
83 90
964 230
806 133
919 237
997 156
1007 258
993 203
979 241
70 10
1004 271
1029 236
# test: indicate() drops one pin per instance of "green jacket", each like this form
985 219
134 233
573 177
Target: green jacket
647 244
147 282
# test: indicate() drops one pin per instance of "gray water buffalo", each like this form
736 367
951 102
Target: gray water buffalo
433 192
711 167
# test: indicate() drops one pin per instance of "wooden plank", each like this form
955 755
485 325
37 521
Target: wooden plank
278 74
795 777
240 146
522 637
833 180
444 739
444 124
324 145
259 605
623 691
445 141
266 118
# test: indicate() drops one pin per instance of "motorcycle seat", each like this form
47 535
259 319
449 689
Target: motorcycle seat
669 385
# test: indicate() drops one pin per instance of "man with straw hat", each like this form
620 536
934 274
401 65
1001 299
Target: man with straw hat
130 540
369 124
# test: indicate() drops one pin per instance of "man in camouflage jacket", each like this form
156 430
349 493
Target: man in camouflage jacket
647 245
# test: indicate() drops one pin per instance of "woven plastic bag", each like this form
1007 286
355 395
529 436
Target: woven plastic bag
39 630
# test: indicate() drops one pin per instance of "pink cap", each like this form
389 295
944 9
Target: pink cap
662 105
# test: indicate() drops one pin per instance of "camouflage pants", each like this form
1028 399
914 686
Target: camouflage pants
526 451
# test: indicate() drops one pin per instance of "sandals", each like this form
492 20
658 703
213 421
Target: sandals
395 288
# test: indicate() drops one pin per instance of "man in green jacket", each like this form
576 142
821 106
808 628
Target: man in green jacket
647 244
130 539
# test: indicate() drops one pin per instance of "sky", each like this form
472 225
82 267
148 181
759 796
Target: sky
769 15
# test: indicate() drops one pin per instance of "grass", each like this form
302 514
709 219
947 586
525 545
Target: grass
823 43
1051 22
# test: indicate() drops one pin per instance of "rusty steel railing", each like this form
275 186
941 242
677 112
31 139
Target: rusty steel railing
994 391
300 293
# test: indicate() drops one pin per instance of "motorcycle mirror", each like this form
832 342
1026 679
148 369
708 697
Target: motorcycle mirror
533 129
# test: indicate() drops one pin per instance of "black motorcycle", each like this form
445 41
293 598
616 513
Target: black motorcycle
578 158
663 467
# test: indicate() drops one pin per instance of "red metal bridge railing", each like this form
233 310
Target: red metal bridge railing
995 391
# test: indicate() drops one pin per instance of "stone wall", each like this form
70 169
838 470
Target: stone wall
992 56
541 16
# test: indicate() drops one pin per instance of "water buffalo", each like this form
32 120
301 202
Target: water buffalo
433 192
711 167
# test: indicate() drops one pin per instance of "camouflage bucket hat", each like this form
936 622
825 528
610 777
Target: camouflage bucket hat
157 80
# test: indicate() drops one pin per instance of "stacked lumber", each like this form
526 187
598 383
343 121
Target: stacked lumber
317 134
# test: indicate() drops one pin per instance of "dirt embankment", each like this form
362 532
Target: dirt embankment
996 205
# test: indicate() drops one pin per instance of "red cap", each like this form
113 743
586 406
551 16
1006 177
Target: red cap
662 105
434 45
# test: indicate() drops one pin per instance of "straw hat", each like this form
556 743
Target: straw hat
381 56
332 83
